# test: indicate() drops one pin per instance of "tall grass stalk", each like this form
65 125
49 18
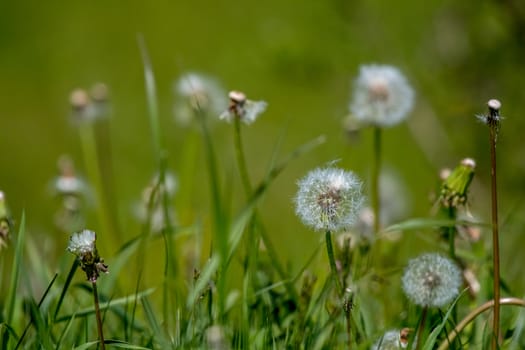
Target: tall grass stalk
161 156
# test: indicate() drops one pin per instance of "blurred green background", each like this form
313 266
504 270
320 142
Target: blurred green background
301 57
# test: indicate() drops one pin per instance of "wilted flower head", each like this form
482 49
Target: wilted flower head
196 92
382 96
392 340
328 199
240 107
431 280
455 186
82 244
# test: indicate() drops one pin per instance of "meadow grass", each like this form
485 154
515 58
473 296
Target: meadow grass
237 293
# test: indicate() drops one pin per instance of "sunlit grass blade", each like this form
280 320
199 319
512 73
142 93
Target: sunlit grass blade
67 283
428 223
158 333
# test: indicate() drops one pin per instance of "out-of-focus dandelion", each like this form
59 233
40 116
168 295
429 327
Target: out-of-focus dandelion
328 199
431 280
197 93
392 340
89 107
5 223
151 207
242 108
72 191
382 96
83 245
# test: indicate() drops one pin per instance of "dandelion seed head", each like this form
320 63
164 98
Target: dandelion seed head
431 280
328 199
82 243
197 92
382 96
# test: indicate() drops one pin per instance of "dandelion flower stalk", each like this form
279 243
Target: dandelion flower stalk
329 200
382 98
493 121
83 246
376 172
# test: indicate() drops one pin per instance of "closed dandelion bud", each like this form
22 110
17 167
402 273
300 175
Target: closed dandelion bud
382 96
455 186
82 244
240 107
431 280
328 199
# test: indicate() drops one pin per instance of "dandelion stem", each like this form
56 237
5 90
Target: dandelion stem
331 259
421 327
99 318
376 171
91 160
241 159
495 236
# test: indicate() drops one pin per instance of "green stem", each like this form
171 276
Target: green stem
91 160
331 259
421 328
98 317
495 238
376 172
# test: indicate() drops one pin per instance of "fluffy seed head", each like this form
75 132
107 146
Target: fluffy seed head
382 96
328 199
82 243
431 280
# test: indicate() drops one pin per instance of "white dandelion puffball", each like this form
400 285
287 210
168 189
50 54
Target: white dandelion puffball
431 280
382 96
328 199
82 243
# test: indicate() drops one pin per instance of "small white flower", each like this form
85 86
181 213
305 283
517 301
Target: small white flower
82 243
382 96
241 107
328 199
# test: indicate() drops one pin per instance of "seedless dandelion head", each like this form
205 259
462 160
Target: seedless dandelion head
328 199
244 109
382 96
431 280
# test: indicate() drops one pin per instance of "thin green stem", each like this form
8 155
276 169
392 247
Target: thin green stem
98 317
376 172
495 238
331 259
91 161
421 328
241 159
